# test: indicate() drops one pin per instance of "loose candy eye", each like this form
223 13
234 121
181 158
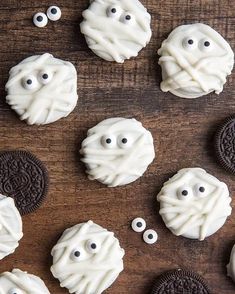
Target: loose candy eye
206 45
76 255
92 246
40 20
124 142
30 83
114 11
184 193
109 141
150 236
15 291
189 43
54 13
45 77
138 225
128 18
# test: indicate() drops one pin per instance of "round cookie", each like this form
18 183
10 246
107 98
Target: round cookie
42 89
19 282
180 282
116 30
194 204
117 151
195 61
24 178
10 226
231 265
87 259
225 144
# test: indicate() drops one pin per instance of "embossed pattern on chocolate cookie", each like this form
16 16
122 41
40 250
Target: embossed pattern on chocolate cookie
180 282
225 144
24 178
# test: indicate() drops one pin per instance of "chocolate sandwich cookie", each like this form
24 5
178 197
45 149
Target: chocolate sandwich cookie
180 282
225 144
24 178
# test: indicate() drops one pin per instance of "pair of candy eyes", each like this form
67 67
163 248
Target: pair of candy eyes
91 247
184 193
191 44
117 13
139 225
31 82
112 141
41 19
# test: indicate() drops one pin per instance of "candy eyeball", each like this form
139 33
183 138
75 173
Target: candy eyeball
138 225
14 291
92 246
150 236
109 141
189 43
45 77
54 13
128 18
206 45
76 255
184 193
200 190
40 20
30 83
124 142
114 11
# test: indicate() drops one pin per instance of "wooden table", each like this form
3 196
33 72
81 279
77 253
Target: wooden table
182 129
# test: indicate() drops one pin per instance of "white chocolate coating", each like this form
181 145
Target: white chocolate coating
201 212
192 67
82 269
19 282
10 226
42 101
112 36
117 164
231 265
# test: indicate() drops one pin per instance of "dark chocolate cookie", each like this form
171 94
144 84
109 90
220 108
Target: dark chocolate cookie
225 144
24 178
180 282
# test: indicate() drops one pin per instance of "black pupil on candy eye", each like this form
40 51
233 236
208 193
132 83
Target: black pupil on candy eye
124 140
150 236
139 224
53 10
113 10
45 76
184 192
202 189
39 18
108 141
207 44
190 42
93 246
29 82
128 17
77 253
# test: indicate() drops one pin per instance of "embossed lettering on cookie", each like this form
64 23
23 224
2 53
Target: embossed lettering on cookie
24 178
116 30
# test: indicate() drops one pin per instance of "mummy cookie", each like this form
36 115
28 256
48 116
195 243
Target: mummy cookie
194 204
231 265
42 89
10 226
195 61
117 151
116 30
19 282
87 259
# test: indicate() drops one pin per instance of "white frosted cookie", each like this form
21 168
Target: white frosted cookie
19 282
10 226
231 265
117 151
87 259
42 89
195 61
194 204
116 30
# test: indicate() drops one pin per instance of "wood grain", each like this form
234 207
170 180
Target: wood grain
182 129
